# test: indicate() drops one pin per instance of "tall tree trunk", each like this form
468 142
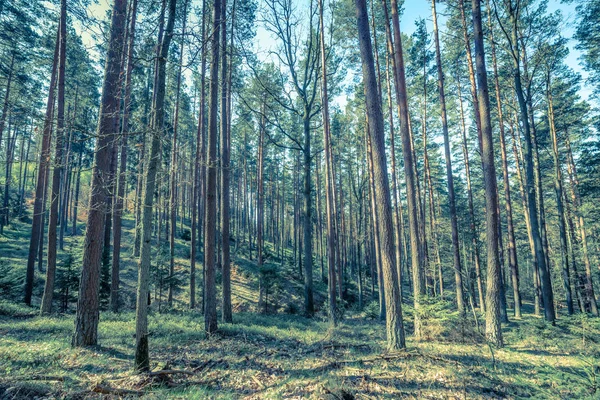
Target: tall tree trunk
4 211
559 199
174 160
309 303
118 209
86 320
576 198
493 328
518 157
398 225
57 174
142 357
329 177
210 236
529 177
37 225
394 323
375 224
472 225
260 211
512 245
225 147
409 171
451 200
198 169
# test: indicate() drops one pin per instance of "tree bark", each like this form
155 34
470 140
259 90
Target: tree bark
529 177
118 209
173 173
494 278
210 236
409 171
86 320
37 225
576 198
512 245
57 175
225 147
142 357
394 323
329 177
558 189
451 200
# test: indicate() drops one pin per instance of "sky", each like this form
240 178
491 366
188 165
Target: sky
413 10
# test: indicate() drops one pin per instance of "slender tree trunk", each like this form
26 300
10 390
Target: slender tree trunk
329 177
394 323
225 147
118 209
37 225
512 245
210 236
494 278
529 179
451 200
76 199
174 160
375 225
475 275
309 304
198 168
559 199
409 171
4 214
142 357
576 198
260 211
57 174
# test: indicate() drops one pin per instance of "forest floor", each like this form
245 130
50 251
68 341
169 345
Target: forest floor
284 355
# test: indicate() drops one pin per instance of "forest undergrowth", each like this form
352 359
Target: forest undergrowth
284 355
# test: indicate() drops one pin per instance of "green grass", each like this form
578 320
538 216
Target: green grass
281 355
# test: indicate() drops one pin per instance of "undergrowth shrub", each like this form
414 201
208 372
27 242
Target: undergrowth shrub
441 322
371 310
10 281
